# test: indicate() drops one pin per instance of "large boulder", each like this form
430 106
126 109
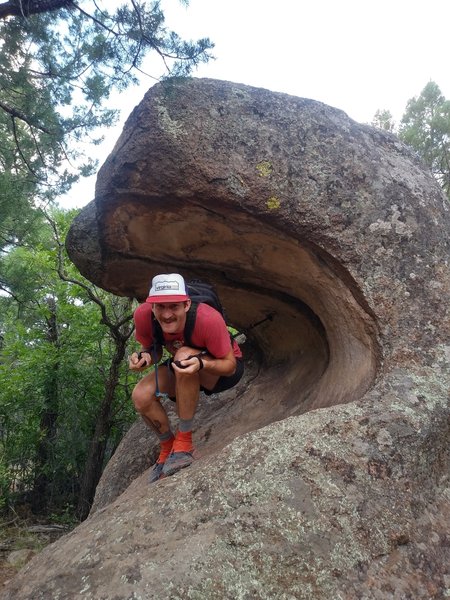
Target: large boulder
325 474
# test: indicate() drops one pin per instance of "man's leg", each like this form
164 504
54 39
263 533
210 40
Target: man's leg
154 415
146 402
187 388
187 393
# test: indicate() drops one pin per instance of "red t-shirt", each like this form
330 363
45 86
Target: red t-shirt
210 331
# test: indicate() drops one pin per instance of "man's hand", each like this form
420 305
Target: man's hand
138 362
190 365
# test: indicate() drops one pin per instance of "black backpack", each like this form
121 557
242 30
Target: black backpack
198 291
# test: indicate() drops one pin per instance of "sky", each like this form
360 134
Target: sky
356 55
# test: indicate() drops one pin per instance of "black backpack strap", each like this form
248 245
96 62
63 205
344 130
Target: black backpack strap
158 336
191 316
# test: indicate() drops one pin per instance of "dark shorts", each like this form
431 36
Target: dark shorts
224 382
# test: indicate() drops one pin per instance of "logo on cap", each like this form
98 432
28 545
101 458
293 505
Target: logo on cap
160 286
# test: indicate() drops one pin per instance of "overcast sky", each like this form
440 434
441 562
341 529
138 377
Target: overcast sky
356 55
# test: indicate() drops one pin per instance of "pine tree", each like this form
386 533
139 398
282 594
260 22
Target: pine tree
425 126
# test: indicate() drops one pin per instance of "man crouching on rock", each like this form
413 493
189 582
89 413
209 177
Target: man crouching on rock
211 362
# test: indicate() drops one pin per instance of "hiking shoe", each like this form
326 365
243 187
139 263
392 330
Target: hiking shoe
177 461
156 473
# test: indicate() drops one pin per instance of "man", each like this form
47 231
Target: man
212 363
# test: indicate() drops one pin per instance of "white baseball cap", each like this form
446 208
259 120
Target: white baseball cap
168 288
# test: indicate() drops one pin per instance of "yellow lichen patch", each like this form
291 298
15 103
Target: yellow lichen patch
264 168
273 202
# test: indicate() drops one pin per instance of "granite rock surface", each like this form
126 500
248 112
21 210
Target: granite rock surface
325 473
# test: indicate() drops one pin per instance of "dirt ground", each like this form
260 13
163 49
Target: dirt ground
7 572
21 539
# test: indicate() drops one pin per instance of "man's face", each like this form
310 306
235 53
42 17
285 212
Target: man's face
171 315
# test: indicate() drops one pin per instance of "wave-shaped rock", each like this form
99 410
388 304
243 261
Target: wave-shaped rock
324 475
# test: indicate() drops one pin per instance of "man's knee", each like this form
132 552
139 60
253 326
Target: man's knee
184 352
142 398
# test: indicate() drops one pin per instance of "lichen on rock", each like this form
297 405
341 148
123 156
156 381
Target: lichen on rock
324 474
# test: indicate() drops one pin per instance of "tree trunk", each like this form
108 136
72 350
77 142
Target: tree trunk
40 495
96 455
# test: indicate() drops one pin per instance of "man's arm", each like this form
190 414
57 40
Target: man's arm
215 366
139 361
225 366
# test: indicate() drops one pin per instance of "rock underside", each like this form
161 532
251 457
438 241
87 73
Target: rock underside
324 473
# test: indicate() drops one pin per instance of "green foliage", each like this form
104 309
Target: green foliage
29 120
57 69
425 126
61 371
59 63
383 120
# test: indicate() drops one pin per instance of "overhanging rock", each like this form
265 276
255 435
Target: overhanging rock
289 207
337 229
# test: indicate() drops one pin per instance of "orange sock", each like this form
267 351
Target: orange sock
183 442
166 449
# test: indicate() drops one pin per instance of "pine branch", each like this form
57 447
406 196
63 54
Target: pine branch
113 327
17 114
26 8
